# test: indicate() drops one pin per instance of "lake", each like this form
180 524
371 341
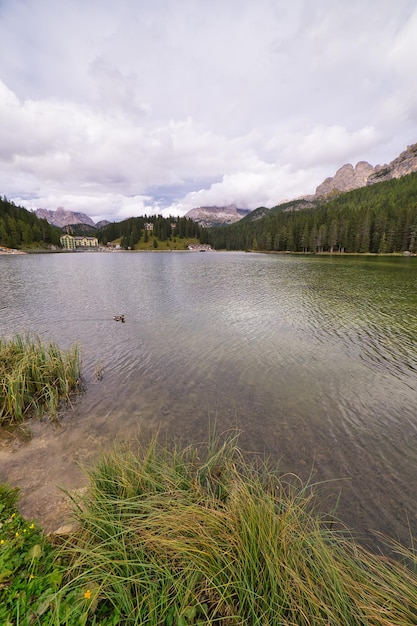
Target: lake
313 359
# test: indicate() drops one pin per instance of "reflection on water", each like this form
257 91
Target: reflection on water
313 359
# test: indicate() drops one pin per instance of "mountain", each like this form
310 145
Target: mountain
62 218
211 216
80 230
256 214
85 230
102 224
406 163
292 205
348 177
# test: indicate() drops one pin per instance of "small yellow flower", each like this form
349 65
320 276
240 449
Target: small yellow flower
1 541
13 515
87 594
16 534
24 530
31 576
32 526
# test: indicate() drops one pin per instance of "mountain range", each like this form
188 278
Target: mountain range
347 178
210 216
62 218
363 174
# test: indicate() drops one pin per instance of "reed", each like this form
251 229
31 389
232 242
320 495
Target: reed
201 536
35 377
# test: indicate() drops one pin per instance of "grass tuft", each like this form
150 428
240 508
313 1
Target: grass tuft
202 536
35 378
180 537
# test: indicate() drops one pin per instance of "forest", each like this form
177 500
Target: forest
381 218
20 228
130 231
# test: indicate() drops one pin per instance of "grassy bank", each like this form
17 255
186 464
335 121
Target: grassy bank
201 536
35 377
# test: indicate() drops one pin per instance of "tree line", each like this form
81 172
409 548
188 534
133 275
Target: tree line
19 227
131 230
381 218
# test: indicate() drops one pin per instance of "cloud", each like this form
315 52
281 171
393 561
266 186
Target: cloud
264 185
159 107
330 144
115 206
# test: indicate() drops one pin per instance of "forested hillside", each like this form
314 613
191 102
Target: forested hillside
381 218
133 229
20 228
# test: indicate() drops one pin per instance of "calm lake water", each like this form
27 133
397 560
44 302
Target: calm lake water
314 359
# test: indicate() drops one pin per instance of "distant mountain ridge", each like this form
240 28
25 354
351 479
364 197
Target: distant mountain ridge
210 216
62 218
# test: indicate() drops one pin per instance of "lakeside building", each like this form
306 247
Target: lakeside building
68 242
199 247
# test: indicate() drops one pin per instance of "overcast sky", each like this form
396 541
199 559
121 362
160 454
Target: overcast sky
121 108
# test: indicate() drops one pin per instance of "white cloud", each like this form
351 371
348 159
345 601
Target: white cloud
148 107
117 207
329 144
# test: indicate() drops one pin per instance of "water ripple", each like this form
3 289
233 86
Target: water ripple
313 359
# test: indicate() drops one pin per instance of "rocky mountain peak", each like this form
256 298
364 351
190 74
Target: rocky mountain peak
348 177
210 216
404 164
62 218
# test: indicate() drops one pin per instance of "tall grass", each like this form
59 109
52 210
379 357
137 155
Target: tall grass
35 377
201 536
